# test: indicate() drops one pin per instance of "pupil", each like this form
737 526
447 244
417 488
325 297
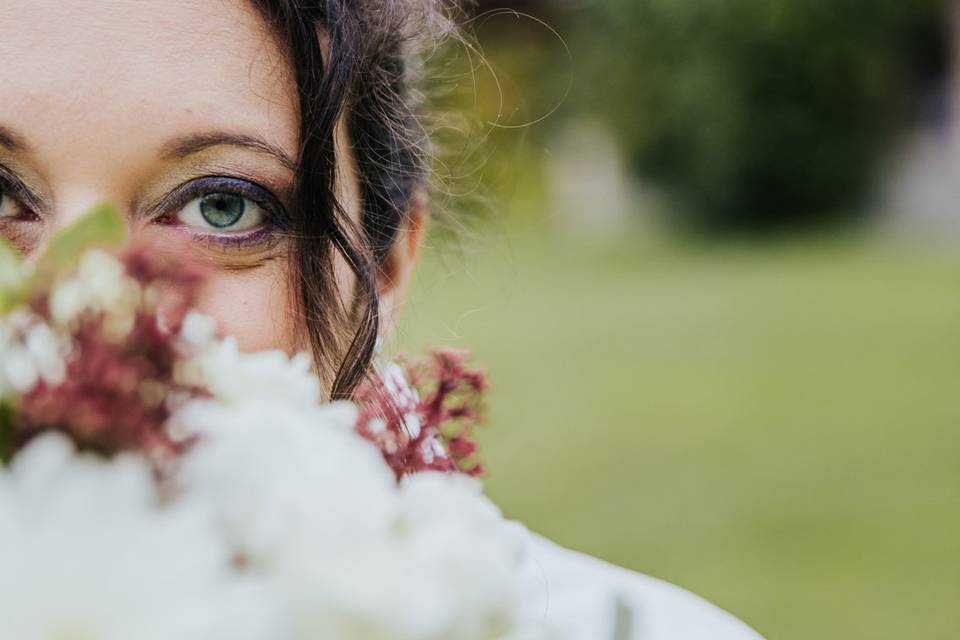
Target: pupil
222 209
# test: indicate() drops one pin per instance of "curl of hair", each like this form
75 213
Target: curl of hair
356 63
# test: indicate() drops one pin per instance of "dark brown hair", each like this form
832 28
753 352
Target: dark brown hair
356 62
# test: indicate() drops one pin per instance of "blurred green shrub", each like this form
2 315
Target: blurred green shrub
757 114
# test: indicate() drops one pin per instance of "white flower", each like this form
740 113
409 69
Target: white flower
445 567
348 552
48 351
198 332
277 472
279 523
234 377
100 285
404 396
88 553
30 351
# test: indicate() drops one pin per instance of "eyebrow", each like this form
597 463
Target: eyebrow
195 143
11 140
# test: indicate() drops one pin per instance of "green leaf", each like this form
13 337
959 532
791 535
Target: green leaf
13 279
102 227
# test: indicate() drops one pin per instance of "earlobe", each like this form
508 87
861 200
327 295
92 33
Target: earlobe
398 265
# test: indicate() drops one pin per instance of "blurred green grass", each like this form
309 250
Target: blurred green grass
773 427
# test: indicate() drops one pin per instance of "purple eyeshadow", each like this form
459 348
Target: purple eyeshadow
260 236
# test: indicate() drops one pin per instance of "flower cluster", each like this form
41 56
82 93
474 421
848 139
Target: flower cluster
159 483
421 413
104 363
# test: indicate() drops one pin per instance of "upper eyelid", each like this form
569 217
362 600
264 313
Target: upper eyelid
17 188
192 188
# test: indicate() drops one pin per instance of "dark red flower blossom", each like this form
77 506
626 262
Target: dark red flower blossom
428 425
114 395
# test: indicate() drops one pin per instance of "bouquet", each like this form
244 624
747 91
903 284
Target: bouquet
158 483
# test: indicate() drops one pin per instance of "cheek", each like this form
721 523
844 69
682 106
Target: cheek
256 306
249 293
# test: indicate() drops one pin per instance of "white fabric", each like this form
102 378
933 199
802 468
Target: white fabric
585 597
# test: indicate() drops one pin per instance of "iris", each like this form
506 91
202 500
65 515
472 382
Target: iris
222 210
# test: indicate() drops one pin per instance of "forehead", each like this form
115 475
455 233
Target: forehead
140 69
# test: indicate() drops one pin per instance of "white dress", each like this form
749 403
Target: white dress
588 599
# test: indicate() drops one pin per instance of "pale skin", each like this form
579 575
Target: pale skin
183 114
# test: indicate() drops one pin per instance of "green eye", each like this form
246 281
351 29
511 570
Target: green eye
222 212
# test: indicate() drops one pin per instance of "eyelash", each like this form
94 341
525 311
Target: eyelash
277 217
15 189
166 211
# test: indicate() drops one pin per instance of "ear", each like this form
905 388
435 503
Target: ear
397 268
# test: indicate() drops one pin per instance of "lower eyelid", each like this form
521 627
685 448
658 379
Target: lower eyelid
24 214
261 237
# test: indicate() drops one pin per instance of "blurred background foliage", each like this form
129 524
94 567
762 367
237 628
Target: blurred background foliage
715 284
751 115
760 113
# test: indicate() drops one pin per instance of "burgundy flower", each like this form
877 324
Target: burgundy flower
114 395
426 425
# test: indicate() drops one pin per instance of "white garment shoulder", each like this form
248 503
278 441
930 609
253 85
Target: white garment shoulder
591 600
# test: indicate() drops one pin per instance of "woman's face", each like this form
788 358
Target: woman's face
183 113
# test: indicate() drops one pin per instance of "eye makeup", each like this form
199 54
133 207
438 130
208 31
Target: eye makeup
13 187
20 217
275 224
